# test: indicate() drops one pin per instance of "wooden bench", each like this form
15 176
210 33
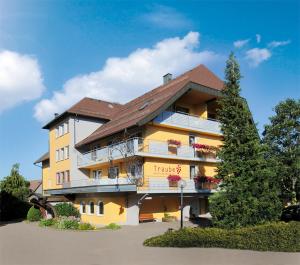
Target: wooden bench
146 217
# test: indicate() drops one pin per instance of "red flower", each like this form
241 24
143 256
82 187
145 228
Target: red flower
205 146
174 142
173 178
207 179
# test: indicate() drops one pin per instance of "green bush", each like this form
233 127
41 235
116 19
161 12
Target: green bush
34 214
113 226
66 209
85 226
268 237
47 222
67 223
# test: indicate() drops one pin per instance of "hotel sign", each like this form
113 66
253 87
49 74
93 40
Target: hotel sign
167 170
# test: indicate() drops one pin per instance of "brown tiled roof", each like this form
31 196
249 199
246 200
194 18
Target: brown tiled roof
90 107
131 114
34 184
44 157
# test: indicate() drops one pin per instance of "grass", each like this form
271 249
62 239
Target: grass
280 236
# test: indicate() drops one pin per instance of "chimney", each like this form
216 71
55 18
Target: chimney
55 115
167 78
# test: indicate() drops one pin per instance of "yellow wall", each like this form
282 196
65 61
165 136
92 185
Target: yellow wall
161 205
56 143
199 110
160 133
114 210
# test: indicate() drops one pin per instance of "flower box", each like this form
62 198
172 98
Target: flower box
173 180
206 182
174 142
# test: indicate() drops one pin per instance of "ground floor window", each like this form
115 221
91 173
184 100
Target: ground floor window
82 207
100 208
92 208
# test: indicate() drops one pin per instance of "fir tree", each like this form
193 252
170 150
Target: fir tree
283 138
249 193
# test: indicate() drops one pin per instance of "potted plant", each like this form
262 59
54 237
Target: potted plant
206 182
173 145
173 180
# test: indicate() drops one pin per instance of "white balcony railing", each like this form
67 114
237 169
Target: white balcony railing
141 147
96 182
188 122
162 185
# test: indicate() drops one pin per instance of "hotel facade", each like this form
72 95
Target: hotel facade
127 163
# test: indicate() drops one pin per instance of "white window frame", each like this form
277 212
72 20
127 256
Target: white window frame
67 152
97 174
58 178
66 125
98 208
56 132
81 207
90 213
57 155
67 176
62 177
62 153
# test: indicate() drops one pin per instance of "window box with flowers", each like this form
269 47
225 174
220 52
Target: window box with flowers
205 151
173 145
206 182
173 180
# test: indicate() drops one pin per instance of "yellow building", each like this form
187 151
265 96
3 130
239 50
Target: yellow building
125 163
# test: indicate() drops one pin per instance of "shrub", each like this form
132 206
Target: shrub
86 226
66 209
47 222
268 237
34 214
67 223
113 226
169 218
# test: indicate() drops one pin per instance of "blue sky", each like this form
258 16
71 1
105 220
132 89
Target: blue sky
54 52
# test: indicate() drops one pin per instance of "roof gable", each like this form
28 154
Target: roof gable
136 113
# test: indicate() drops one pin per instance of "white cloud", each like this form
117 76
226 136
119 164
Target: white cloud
240 43
122 79
256 56
20 79
258 38
274 44
166 17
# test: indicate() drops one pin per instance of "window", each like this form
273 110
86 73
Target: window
192 172
57 155
56 132
66 130
82 208
62 153
92 210
60 130
191 140
67 176
182 110
62 177
58 179
133 170
97 174
113 172
66 152
100 208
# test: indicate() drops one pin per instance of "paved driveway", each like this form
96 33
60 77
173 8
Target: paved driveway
22 243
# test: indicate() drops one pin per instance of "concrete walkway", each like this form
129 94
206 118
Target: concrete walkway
22 243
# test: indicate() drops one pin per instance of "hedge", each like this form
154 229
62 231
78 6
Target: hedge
34 214
278 236
66 209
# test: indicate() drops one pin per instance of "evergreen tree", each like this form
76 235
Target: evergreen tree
15 184
283 138
249 193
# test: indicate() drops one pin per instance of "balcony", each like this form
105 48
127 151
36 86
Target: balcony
94 185
145 148
189 122
162 185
